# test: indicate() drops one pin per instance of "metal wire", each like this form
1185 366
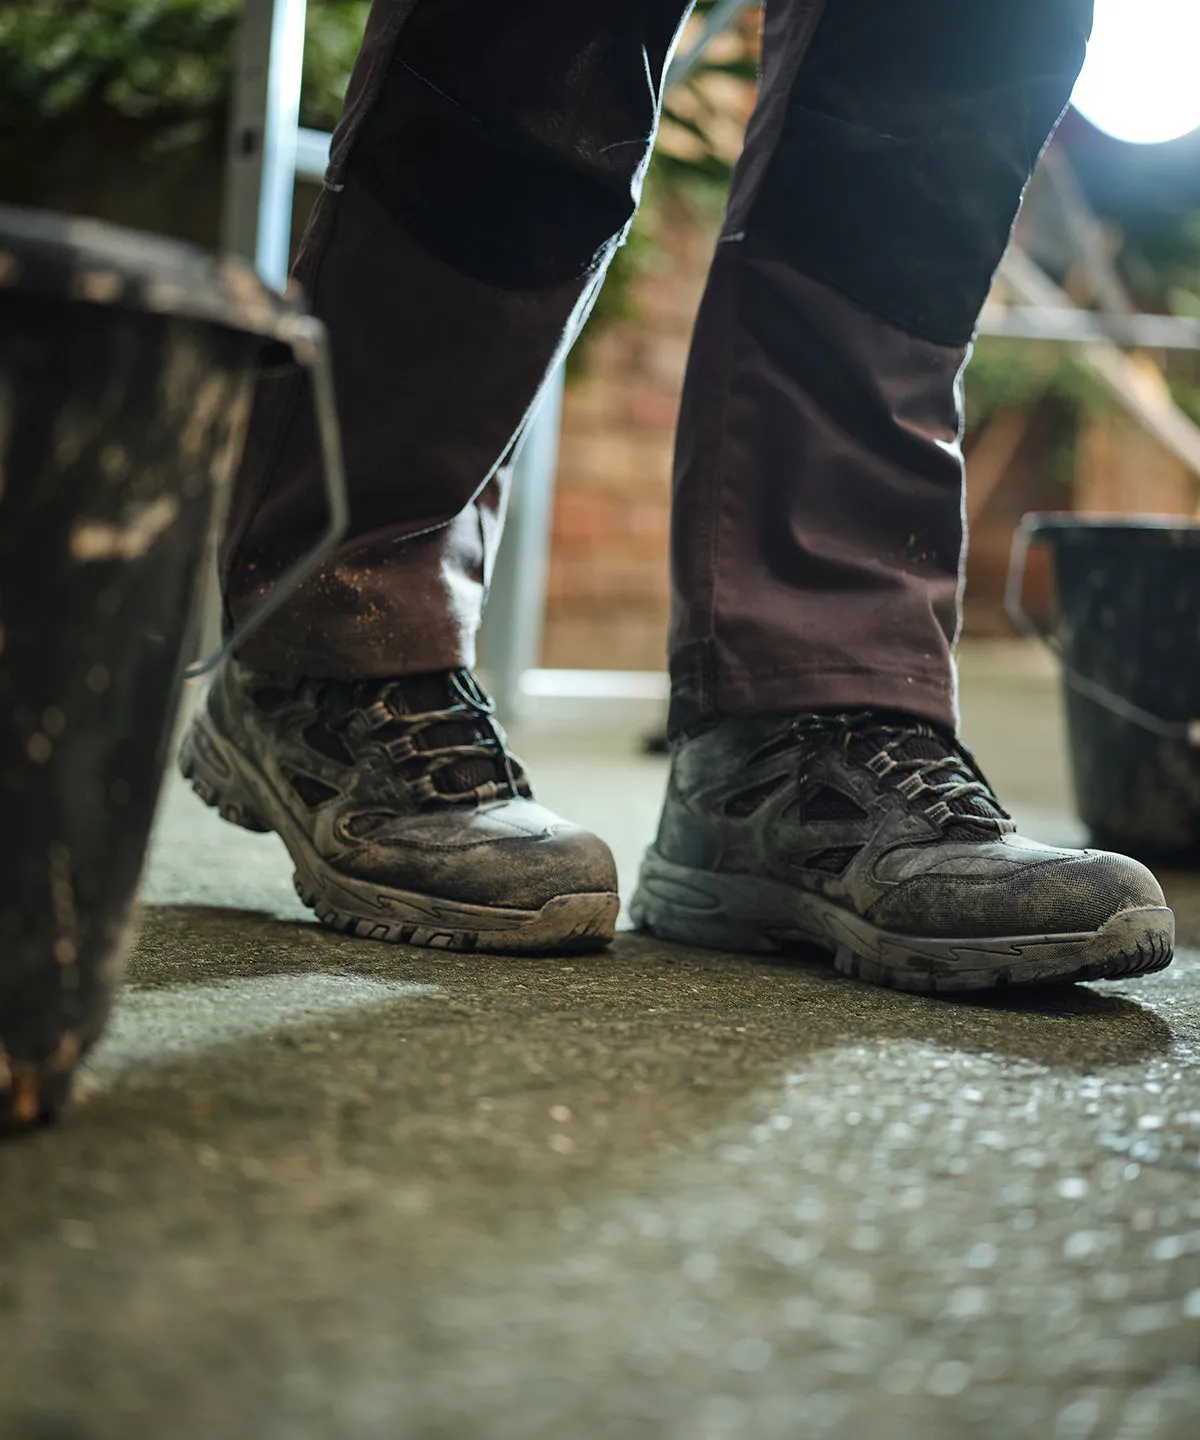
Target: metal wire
721 15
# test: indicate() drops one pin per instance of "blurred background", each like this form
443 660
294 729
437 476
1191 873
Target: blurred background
668 1195
119 109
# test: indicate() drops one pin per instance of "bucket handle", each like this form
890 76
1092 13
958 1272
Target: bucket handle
309 342
1030 530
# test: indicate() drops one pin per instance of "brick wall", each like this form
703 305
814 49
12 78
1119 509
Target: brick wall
608 598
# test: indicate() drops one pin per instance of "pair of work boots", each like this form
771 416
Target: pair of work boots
869 835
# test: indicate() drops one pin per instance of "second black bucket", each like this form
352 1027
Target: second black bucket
1128 634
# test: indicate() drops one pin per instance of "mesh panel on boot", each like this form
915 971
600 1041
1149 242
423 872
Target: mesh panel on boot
739 806
833 862
826 803
325 742
312 792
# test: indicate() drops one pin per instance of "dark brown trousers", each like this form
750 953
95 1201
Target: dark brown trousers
487 165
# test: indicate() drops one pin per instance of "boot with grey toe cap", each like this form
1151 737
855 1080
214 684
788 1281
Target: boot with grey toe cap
876 838
405 815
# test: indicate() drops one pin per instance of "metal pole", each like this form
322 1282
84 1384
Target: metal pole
261 159
1077 327
260 169
511 636
312 154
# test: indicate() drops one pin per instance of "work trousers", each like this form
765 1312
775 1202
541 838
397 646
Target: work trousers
487 165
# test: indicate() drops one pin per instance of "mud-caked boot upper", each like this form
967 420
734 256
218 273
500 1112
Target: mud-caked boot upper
877 836
403 808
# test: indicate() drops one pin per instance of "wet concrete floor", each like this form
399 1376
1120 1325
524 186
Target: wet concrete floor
324 1188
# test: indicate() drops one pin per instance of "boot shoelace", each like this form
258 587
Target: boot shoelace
440 731
937 775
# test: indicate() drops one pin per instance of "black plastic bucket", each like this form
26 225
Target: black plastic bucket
126 374
1128 633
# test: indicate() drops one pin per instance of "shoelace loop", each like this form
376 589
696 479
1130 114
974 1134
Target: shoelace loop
398 729
947 780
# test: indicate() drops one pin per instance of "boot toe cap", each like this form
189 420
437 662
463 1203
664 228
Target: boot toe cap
1066 894
517 860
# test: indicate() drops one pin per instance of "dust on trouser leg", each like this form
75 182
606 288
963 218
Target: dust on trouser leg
488 165
818 528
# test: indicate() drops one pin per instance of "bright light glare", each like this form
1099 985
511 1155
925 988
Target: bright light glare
1141 82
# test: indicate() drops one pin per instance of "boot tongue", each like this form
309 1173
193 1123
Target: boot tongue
916 741
420 694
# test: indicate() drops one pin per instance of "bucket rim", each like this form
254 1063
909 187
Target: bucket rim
72 257
1148 527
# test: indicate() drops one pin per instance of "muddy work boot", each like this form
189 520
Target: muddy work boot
405 815
876 838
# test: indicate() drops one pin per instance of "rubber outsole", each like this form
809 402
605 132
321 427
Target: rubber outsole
761 916
231 785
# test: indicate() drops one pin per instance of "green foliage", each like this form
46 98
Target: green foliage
332 36
166 66
690 171
1185 391
1005 373
167 63
172 59
1162 261
696 153
1025 373
141 57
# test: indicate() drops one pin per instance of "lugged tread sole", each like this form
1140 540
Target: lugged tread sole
762 916
565 924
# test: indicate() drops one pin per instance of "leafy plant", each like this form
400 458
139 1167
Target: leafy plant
163 68
1006 373
141 57
166 64
704 118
